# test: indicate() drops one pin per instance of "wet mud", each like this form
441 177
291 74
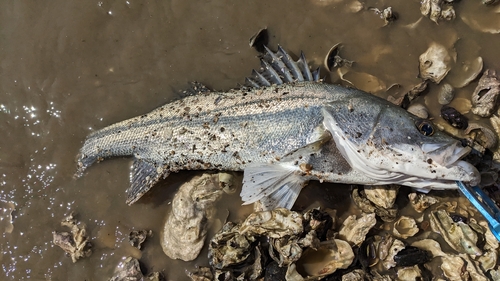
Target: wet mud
68 68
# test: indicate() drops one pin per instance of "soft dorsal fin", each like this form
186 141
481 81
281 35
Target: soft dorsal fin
279 68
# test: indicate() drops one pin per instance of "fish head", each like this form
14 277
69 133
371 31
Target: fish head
390 145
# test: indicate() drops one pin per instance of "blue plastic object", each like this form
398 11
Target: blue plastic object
484 205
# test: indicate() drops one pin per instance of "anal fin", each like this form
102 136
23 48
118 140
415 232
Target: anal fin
143 176
275 185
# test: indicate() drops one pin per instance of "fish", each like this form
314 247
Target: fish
286 127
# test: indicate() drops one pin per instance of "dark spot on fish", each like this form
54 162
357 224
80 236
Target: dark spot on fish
284 93
222 129
429 161
358 135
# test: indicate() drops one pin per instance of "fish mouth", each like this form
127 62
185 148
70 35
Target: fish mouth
446 154
449 155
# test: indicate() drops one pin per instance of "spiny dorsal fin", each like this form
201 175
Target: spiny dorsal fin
279 68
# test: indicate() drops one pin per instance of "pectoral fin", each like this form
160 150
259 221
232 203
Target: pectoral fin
279 184
143 176
275 185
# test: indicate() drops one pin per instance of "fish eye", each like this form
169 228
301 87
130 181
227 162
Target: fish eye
425 128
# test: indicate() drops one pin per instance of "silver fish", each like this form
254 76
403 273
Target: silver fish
284 130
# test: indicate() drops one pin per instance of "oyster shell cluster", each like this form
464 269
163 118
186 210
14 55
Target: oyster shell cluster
436 235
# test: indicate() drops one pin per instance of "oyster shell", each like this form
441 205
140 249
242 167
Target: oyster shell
409 273
419 110
355 275
275 224
354 230
137 237
395 247
429 245
465 72
437 9
420 202
130 270
405 227
367 206
488 139
259 40
228 247
486 94
330 256
436 62
454 267
458 235
202 273
382 195
334 60
76 244
185 229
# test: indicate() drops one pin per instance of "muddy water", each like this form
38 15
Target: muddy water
70 67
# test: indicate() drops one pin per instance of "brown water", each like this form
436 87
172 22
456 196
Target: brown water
70 67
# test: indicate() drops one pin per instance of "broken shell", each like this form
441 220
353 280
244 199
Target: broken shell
259 40
486 94
330 256
436 62
382 195
446 94
354 230
420 201
454 118
457 234
405 227
418 110
333 59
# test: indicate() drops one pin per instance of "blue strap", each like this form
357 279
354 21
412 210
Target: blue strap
484 205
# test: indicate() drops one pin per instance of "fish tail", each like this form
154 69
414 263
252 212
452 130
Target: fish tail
100 145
